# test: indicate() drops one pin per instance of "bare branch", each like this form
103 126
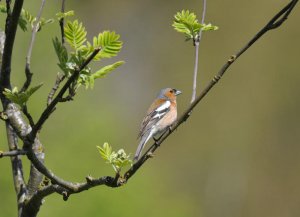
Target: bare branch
29 117
35 29
196 44
12 153
59 79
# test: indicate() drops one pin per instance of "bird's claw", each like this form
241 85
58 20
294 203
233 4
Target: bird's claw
150 155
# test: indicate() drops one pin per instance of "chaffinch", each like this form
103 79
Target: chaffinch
161 114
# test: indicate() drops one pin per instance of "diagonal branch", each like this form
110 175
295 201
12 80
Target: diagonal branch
275 22
46 113
67 188
30 138
71 188
35 29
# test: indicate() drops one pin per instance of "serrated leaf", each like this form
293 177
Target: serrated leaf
186 22
109 43
75 34
61 53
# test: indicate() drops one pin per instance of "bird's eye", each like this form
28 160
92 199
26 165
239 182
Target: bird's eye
171 91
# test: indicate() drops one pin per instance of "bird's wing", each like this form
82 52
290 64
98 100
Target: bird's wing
153 116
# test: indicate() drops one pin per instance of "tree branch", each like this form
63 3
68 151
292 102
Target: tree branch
112 182
67 188
11 28
35 29
59 96
12 153
30 138
196 44
275 22
17 167
59 79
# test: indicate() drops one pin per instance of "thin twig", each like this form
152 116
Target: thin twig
61 22
35 29
29 117
59 79
59 96
29 140
275 22
197 40
12 153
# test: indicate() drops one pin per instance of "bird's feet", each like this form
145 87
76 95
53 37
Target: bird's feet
150 154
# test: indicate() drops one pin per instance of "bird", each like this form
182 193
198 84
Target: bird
161 114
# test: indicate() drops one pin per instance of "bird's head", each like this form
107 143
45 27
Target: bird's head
169 94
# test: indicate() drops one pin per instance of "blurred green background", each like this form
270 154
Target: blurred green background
238 155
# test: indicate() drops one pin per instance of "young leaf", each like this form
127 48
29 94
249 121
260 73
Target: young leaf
102 73
20 98
61 15
117 159
75 34
187 23
106 69
61 53
208 27
109 43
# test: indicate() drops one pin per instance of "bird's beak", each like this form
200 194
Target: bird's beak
177 92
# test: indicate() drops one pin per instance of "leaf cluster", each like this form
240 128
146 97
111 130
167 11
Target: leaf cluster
118 159
187 23
75 34
20 98
26 19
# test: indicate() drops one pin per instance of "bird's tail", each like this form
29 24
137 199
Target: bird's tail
139 150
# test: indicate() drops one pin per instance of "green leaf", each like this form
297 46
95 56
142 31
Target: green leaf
20 98
208 27
61 15
61 53
44 22
109 43
102 73
118 159
186 22
75 34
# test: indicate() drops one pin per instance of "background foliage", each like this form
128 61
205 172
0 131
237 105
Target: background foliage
237 156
